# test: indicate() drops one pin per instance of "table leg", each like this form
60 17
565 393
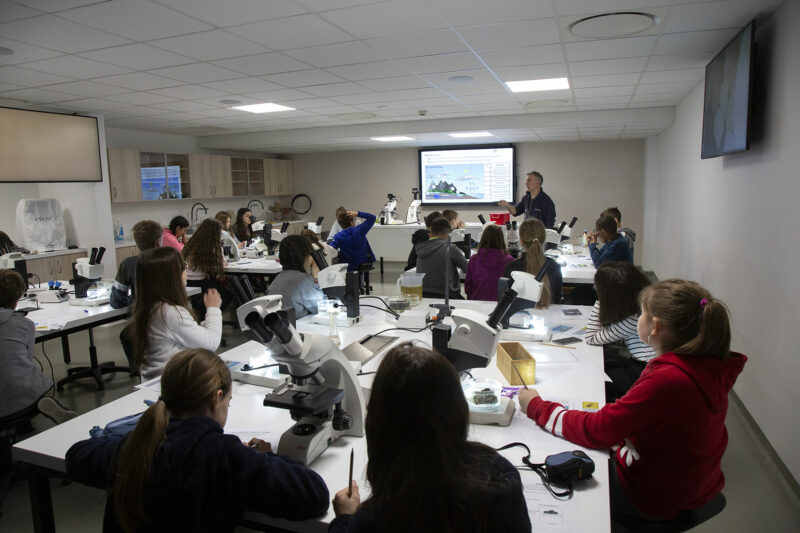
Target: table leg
381 268
41 501
65 349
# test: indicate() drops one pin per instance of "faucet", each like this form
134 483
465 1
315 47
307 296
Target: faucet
192 212
254 201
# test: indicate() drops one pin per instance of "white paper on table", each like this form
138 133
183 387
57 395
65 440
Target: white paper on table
550 354
548 513
247 434
48 324
583 372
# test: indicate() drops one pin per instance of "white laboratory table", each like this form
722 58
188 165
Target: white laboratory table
567 375
579 269
261 265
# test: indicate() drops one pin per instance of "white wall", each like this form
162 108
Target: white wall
583 178
729 223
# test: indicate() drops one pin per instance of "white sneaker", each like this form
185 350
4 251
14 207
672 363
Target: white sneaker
53 410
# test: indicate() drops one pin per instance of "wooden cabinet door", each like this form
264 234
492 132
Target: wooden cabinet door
124 175
278 177
122 254
42 270
220 166
200 176
62 265
286 181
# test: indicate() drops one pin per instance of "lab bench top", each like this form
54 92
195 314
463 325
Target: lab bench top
53 253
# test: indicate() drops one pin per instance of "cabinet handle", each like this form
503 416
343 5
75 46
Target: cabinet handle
114 189
59 267
50 268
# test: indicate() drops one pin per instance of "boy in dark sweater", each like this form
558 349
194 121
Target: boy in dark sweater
616 247
147 235
431 262
421 235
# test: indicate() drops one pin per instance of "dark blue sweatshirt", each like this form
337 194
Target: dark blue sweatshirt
616 249
204 480
353 245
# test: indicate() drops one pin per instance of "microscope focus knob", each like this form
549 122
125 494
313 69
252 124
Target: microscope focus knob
341 420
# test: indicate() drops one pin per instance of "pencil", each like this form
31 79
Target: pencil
350 481
557 345
520 378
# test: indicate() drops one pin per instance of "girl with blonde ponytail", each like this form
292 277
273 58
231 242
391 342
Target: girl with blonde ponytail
532 238
177 471
668 431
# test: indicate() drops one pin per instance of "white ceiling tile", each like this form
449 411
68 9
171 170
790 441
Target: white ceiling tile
670 76
243 85
38 96
479 76
14 11
511 34
299 31
23 52
694 41
610 48
303 78
231 12
335 54
604 91
369 71
189 92
137 56
8 87
262 64
86 89
311 103
620 101
411 94
682 86
51 6
477 99
582 82
425 103
526 55
385 18
711 15
336 89
140 20
50 31
136 111
210 45
579 7
140 98
680 61
607 66
417 44
197 73
382 106
96 104
666 98
282 95
390 84
459 90
533 72
183 106
474 12
362 99
138 81
442 63
75 66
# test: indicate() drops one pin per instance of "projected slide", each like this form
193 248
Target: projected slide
467 176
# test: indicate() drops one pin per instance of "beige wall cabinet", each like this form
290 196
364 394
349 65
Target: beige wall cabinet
210 176
278 179
124 252
124 175
53 268
247 176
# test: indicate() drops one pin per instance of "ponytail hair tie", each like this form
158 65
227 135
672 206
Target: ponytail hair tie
161 399
703 303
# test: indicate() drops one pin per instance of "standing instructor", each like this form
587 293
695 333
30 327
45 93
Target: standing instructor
536 203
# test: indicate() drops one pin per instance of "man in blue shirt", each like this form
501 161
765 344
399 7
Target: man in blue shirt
616 247
536 203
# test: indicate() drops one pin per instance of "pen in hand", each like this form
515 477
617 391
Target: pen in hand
520 378
350 480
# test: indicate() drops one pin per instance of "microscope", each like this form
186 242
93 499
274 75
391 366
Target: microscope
316 227
339 284
389 211
529 292
414 210
87 271
322 394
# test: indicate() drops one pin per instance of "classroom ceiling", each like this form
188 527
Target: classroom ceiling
355 69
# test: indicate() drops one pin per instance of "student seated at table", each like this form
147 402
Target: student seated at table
486 267
628 233
162 323
532 237
224 218
614 320
335 227
147 234
668 432
327 250
452 216
205 263
431 479
22 383
297 283
352 243
615 248
431 255
243 228
178 471
421 235
175 234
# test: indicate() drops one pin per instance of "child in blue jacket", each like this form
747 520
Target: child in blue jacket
616 247
352 241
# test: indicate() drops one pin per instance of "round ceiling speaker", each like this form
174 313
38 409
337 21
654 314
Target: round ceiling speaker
609 25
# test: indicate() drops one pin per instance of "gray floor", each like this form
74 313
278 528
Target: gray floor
759 499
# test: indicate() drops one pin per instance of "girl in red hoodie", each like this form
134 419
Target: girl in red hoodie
667 434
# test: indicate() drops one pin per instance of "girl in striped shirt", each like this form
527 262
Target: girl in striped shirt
613 322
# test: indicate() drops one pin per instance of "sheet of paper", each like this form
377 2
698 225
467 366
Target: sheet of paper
49 324
246 435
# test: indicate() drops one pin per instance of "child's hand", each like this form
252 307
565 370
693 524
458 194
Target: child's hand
525 397
460 225
259 445
212 298
241 244
352 213
342 504
591 238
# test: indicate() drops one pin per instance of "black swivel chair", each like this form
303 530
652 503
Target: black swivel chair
12 427
686 521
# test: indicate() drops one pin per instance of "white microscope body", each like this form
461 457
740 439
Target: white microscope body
413 215
389 211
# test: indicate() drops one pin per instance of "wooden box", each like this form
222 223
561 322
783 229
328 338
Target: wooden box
511 355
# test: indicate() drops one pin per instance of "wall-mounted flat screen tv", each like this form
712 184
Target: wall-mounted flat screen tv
728 90
467 175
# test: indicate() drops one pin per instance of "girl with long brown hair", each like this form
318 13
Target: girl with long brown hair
532 237
486 267
162 323
243 229
177 471
203 252
668 432
424 474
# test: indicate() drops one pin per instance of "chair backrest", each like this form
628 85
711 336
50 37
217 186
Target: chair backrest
685 521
